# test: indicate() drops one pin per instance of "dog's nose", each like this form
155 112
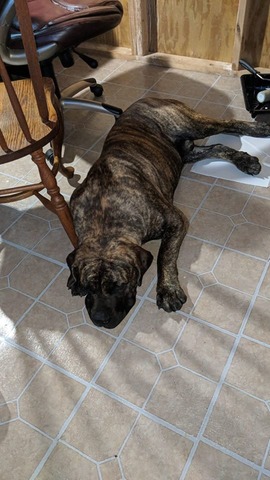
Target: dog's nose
99 318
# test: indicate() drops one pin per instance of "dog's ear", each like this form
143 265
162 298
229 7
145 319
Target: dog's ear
144 260
73 282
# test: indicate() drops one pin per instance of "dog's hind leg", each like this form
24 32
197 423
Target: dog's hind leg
238 127
199 126
242 160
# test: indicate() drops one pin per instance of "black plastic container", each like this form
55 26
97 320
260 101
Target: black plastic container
251 86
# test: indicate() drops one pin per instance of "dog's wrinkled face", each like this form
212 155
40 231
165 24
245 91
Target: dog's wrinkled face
110 284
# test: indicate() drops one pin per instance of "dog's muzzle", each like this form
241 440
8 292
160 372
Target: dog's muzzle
107 315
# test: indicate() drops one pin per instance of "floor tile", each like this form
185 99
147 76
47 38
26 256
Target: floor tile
242 239
64 463
55 245
212 110
257 211
8 216
192 287
41 329
49 400
110 470
135 383
83 138
18 443
162 453
155 329
265 287
58 295
17 370
241 187
33 275
197 347
13 306
219 96
190 193
258 323
197 256
211 226
182 399
225 201
223 307
8 411
103 419
167 360
9 258
27 231
228 425
239 271
82 351
212 464
252 376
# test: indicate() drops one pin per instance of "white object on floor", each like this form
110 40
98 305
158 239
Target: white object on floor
264 96
259 147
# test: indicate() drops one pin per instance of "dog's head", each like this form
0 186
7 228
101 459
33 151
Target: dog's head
108 279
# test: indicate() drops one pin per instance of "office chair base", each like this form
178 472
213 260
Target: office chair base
79 104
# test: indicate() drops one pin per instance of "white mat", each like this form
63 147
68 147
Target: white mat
259 147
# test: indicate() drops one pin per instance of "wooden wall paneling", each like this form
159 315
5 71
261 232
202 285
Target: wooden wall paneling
119 36
197 28
265 51
204 35
252 33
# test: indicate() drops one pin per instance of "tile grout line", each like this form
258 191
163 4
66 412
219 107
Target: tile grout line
142 301
88 387
264 460
222 379
230 453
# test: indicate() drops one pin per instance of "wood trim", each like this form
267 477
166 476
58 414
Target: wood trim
188 63
111 51
161 59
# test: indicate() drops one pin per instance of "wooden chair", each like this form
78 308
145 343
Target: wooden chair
30 119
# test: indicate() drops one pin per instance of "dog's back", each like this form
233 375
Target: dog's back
138 163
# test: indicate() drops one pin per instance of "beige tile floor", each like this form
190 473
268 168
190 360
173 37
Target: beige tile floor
163 396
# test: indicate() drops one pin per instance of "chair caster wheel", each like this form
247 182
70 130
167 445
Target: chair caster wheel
96 89
92 63
50 156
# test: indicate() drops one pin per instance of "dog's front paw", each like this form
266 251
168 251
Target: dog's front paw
247 164
171 298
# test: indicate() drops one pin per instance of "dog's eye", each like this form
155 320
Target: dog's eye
112 288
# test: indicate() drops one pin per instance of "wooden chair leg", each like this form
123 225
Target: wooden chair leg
58 203
57 144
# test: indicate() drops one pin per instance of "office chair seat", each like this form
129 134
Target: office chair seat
68 23
59 26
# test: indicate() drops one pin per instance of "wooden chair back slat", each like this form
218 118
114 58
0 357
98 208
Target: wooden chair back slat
3 143
29 44
15 102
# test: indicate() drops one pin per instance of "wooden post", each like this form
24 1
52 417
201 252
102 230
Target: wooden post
250 31
139 15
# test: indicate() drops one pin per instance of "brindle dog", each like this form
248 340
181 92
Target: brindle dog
127 200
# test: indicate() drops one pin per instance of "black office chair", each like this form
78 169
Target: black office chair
59 27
